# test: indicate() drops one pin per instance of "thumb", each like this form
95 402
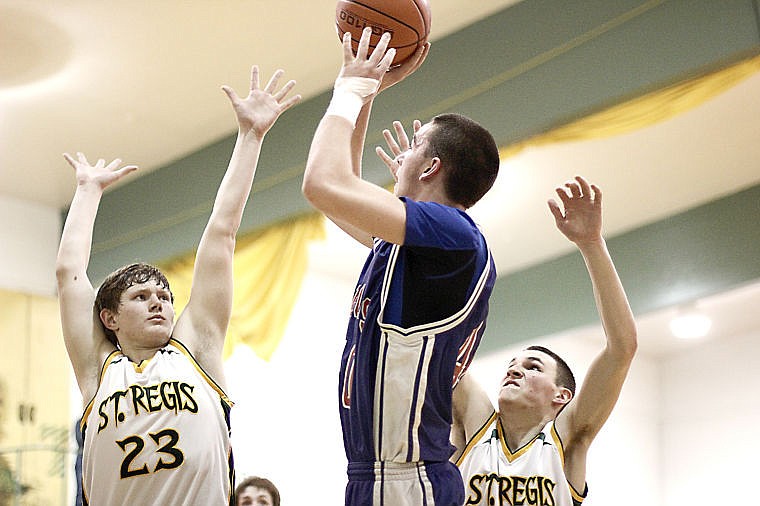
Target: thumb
230 93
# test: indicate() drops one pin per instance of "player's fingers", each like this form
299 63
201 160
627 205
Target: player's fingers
114 163
575 190
555 210
385 157
391 142
348 52
284 106
230 93
272 84
82 158
597 195
254 77
363 48
401 135
419 55
585 188
284 90
563 196
385 63
70 160
126 170
380 53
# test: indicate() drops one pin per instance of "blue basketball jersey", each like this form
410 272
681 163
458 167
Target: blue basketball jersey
417 317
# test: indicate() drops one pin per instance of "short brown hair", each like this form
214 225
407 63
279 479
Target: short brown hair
263 483
109 293
470 155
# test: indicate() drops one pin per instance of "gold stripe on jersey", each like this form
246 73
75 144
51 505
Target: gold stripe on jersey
474 440
558 443
520 451
88 408
561 449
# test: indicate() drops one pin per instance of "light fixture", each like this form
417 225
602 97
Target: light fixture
690 324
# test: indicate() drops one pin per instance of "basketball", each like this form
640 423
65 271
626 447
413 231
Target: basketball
408 22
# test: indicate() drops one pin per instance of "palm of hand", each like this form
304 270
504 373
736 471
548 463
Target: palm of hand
258 111
582 221
99 174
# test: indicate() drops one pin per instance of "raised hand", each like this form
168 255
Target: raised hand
581 221
100 174
260 109
396 147
406 68
372 66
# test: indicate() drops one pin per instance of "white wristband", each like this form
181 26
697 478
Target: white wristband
348 96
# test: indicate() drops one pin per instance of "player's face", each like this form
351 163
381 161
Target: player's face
530 380
412 163
145 315
254 496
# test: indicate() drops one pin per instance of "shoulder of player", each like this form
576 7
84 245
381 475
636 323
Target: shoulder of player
454 228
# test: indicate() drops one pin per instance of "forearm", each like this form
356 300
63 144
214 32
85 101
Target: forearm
76 239
611 301
359 137
210 303
236 185
329 164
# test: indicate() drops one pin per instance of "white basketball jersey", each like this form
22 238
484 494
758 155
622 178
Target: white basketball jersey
157 433
531 475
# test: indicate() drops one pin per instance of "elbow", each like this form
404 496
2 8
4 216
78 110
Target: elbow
63 270
629 343
67 274
309 188
315 189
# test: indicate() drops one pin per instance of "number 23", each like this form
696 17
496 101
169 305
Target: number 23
168 448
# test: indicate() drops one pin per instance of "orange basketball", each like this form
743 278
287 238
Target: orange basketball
408 22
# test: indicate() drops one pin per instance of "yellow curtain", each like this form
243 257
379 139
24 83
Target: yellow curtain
645 110
269 268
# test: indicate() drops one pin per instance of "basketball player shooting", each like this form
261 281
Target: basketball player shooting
156 420
533 450
421 301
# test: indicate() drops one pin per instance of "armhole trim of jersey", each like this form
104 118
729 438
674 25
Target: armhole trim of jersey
577 496
476 438
181 347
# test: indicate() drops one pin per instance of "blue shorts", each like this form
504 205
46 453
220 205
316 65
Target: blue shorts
404 484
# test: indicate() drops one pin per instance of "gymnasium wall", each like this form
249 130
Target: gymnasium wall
611 50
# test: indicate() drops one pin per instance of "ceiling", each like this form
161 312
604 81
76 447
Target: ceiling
140 80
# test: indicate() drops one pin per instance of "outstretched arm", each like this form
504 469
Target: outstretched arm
580 422
394 76
471 409
332 181
203 324
83 334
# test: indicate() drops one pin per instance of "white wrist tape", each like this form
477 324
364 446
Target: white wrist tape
348 96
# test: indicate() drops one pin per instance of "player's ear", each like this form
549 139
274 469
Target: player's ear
432 169
563 395
108 318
